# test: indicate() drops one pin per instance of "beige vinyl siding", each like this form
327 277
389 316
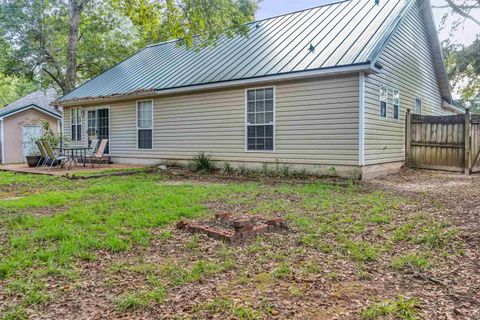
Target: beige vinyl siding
407 66
316 123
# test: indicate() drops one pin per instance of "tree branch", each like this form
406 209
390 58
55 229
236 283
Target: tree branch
459 10
57 81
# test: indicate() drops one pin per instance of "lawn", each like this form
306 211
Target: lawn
108 247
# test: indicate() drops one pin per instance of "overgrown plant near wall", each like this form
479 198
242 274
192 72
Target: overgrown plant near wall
203 163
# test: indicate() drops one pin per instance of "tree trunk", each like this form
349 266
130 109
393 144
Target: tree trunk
76 8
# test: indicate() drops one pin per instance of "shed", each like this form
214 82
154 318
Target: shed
21 122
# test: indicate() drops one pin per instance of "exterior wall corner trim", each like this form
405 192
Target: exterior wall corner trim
361 119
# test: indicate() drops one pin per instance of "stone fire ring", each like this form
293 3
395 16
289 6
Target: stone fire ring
233 230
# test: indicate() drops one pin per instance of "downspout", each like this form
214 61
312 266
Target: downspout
361 119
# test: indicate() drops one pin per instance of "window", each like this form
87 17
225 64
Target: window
418 106
383 101
76 124
260 119
396 104
144 124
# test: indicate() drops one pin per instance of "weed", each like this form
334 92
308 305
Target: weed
244 171
413 260
193 242
402 308
283 271
227 168
202 162
165 235
362 251
295 291
435 236
285 170
332 171
136 300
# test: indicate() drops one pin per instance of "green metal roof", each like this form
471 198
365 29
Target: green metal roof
340 34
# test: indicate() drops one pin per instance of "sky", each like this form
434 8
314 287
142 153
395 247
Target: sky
270 8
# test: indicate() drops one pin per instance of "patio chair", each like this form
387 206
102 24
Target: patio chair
54 158
91 151
99 156
93 148
43 154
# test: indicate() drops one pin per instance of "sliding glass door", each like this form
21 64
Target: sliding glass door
98 125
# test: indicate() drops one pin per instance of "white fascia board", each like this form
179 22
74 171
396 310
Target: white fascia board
31 107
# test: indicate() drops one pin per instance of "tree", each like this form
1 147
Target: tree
67 42
463 66
462 61
13 88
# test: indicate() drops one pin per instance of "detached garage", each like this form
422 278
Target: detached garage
21 122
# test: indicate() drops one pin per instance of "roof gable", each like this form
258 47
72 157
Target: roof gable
435 46
340 34
39 100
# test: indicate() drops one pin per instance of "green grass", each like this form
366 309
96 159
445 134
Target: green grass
56 223
140 299
417 261
401 308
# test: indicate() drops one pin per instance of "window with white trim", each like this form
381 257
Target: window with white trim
418 106
260 124
76 124
383 100
396 104
145 124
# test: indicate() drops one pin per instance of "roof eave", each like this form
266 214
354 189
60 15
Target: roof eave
30 106
366 67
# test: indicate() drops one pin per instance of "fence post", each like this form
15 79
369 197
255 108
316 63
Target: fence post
408 137
467 130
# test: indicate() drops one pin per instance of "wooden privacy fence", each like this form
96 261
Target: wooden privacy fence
443 142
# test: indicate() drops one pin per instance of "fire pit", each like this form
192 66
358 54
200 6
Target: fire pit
226 227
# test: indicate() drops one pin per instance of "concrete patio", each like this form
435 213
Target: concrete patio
78 170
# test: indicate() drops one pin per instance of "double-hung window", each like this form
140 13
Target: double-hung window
76 124
383 100
260 124
145 124
418 106
396 104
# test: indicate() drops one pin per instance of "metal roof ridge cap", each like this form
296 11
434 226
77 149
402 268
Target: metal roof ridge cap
260 20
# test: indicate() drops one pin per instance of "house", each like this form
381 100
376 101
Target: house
21 122
324 89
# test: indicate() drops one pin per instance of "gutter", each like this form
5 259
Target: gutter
333 71
450 107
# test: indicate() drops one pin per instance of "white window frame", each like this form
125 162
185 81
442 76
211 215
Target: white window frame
393 104
85 123
77 123
415 104
136 123
380 100
273 122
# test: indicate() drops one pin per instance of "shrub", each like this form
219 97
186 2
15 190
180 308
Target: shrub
202 162
227 168
243 170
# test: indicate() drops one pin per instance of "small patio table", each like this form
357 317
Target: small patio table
72 153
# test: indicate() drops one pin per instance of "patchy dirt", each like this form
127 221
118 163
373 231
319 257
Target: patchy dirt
454 291
279 277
